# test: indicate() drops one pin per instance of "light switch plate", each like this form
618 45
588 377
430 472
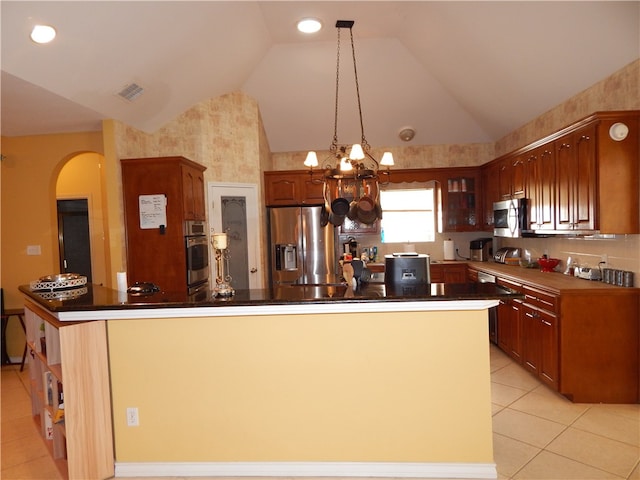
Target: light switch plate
34 250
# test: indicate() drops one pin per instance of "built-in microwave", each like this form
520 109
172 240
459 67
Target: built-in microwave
510 217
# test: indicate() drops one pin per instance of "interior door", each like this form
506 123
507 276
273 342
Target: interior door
74 239
233 208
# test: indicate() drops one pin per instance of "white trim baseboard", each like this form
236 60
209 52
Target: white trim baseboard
307 469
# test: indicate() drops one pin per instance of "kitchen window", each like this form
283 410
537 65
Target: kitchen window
409 214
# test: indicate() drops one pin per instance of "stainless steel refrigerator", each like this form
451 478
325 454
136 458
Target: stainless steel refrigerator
301 250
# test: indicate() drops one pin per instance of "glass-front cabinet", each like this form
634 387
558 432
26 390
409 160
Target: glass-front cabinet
461 200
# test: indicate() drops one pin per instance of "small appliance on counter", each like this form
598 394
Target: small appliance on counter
407 269
588 273
508 255
481 249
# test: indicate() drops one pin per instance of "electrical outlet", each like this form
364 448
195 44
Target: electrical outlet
132 417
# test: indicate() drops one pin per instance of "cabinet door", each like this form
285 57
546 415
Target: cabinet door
576 180
540 188
193 193
491 192
518 175
455 273
437 273
548 363
516 331
460 199
312 190
509 328
282 188
531 345
504 179
472 275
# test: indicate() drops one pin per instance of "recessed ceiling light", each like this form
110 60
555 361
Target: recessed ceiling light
309 25
43 33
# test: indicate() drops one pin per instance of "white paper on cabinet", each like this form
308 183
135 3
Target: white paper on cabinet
153 211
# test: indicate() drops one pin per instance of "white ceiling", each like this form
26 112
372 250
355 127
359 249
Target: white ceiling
458 72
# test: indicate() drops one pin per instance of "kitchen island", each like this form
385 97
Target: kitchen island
300 381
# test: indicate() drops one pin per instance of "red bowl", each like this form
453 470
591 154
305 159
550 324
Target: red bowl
548 264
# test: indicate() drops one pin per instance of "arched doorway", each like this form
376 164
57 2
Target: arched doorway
81 223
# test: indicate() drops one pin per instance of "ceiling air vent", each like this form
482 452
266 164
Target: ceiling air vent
131 92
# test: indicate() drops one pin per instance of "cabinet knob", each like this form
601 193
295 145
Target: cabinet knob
253 270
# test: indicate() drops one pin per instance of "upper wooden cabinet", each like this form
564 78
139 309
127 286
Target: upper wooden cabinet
292 187
540 182
576 180
157 252
193 192
579 180
461 199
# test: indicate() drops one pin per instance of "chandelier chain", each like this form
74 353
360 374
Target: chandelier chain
365 145
334 144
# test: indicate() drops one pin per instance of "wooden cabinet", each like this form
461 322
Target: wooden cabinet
576 180
448 272
579 338
70 396
540 335
490 192
461 199
194 207
157 253
292 187
510 322
511 177
540 184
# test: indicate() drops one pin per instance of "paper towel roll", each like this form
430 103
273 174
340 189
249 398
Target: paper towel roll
121 281
449 250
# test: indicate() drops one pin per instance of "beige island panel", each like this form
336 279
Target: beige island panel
273 394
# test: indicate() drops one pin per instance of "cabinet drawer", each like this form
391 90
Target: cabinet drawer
509 284
541 299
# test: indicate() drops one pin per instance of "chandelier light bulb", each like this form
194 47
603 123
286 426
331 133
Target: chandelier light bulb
311 160
345 165
356 152
387 159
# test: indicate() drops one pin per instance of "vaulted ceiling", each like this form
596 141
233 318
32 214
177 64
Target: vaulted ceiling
457 72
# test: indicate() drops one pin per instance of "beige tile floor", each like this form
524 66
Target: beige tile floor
537 434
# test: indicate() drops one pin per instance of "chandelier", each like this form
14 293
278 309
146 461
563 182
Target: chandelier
351 175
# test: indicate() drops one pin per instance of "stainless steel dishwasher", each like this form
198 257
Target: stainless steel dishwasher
493 311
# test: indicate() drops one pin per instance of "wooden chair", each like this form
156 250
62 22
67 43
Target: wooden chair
6 315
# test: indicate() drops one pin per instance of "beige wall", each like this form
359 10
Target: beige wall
29 175
305 388
225 134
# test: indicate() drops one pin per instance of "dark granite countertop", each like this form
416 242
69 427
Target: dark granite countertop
96 298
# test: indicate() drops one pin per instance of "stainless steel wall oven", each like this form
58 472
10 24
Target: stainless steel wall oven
197 249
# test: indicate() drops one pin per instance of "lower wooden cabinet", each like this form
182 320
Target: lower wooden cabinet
70 393
582 342
510 322
448 272
540 343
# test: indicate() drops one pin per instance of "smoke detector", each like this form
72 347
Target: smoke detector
406 134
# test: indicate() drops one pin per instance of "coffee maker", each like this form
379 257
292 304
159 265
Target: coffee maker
481 249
